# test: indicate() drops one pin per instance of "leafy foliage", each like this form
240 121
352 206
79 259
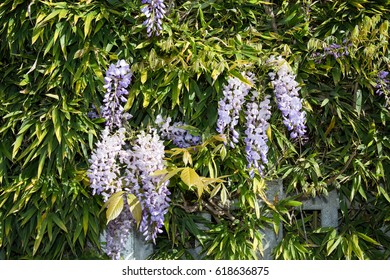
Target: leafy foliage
54 54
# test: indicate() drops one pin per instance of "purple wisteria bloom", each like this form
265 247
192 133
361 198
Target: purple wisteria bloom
287 97
118 78
145 157
335 50
104 171
154 10
180 137
257 123
230 106
383 86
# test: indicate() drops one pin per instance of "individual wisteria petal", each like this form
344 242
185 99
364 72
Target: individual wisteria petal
179 136
383 86
230 106
154 10
257 123
286 91
118 78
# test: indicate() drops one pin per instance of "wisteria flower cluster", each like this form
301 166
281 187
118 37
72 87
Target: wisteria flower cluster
145 157
287 97
335 50
117 79
180 137
104 171
230 106
154 10
383 86
257 123
121 164
238 95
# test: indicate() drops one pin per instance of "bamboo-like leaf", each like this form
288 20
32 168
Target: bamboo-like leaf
17 144
85 219
57 124
59 222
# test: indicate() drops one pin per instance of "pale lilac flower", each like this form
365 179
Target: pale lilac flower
383 86
154 10
335 50
257 123
104 172
230 106
176 132
287 97
118 78
145 157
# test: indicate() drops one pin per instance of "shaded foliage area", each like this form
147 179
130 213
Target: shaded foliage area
53 58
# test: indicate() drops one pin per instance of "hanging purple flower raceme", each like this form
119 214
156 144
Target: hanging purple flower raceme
287 97
383 86
154 10
118 78
180 137
104 172
145 157
257 123
230 106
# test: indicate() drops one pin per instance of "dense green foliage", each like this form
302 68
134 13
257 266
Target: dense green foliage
53 58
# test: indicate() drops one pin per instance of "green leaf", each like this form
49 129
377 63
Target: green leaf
17 144
368 239
333 245
57 124
191 178
114 206
40 234
135 208
58 222
85 219
87 24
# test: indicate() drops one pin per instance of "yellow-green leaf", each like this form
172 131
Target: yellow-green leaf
57 124
85 219
144 76
135 208
114 206
17 144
